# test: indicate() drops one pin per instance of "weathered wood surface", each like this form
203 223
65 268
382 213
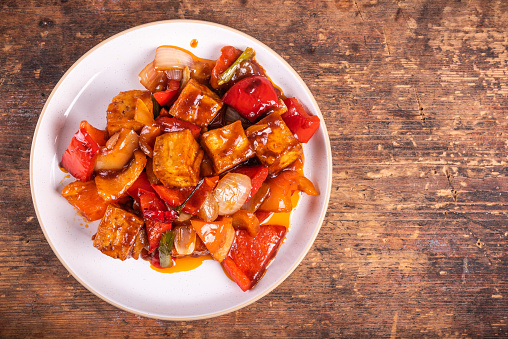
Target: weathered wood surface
415 97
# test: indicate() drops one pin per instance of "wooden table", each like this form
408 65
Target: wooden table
414 95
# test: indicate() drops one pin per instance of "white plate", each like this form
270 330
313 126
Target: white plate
84 93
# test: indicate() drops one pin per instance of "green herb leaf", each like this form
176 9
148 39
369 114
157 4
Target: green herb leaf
165 246
156 108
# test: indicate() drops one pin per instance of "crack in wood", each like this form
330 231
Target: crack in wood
420 107
452 189
358 10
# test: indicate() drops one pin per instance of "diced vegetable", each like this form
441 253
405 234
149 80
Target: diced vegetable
150 175
185 240
113 188
282 187
251 96
228 73
257 175
249 256
263 216
231 192
257 199
99 136
140 244
172 196
176 196
155 227
164 97
299 121
85 198
140 183
171 57
142 114
217 236
167 125
147 139
118 151
228 56
209 209
152 79
246 221
165 246
79 157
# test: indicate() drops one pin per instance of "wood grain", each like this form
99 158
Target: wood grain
414 95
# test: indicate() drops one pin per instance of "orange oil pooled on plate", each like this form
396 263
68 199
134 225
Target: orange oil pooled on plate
183 264
194 43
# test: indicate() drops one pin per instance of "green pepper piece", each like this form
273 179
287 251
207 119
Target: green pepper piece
156 107
228 74
165 246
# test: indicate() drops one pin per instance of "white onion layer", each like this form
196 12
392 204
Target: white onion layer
231 192
169 57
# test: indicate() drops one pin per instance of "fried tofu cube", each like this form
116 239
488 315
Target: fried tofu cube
275 145
122 110
196 104
177 159
227 146
117 232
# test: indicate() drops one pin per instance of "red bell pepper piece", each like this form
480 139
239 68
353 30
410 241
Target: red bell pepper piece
299 122
251 97
168 125
164 97
140 183
157 217
248 257
176 196
79 157
229 54
173 196
99 136
257 175
263 215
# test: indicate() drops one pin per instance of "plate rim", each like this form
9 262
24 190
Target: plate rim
307 247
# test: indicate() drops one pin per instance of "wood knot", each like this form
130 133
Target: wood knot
46 23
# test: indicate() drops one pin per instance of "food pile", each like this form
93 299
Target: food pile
194 164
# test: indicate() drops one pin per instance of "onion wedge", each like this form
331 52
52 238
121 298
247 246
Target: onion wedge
171 57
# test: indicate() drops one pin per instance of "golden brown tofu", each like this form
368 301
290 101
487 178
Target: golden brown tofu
117 232
196 104
177 159
275 145
227 146
122 109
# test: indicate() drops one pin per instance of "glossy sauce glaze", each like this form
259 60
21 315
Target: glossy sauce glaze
189 263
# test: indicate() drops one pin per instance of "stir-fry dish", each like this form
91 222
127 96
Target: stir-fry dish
194 165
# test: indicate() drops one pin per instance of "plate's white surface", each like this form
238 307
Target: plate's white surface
84 93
